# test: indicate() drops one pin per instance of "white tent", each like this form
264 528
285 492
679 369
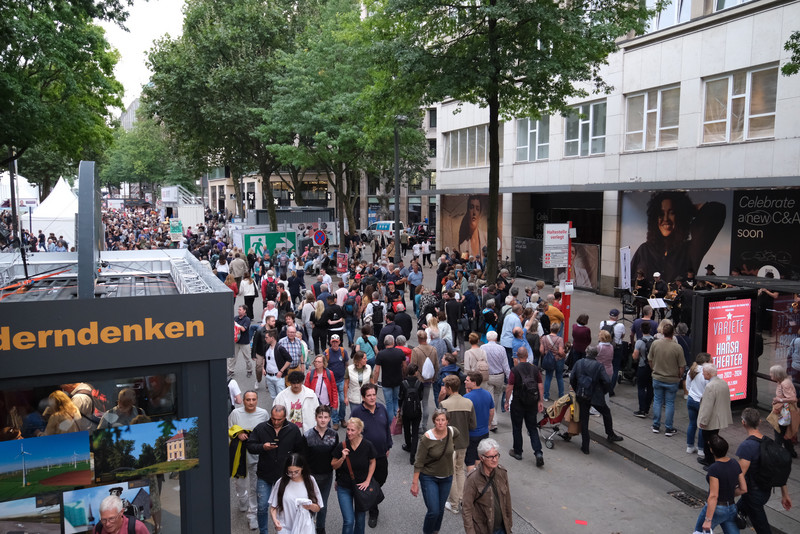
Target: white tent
57 213
27 194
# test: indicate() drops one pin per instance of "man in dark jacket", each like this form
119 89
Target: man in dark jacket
590 382
273 441
404 321
522 411
242 325
391 329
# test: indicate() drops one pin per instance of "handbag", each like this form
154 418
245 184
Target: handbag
549 360
397 425
463 324
368 498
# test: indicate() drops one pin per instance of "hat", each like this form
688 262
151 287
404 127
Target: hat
390 282
709 267
335 337
614 313
656 274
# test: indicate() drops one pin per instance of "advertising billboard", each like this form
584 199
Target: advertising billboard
465 223
728 342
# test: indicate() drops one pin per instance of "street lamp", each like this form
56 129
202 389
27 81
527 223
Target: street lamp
400 120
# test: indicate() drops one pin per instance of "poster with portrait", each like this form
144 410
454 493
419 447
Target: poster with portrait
465 224
671 232
585 266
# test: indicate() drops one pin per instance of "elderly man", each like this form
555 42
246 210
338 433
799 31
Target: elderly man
486 493
390 365
462 416
419 354
247 417
511 321
498 372
294 347
715 410
113 521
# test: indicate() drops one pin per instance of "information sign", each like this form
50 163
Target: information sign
556 246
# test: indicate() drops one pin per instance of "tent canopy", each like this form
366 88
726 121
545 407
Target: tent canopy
56 213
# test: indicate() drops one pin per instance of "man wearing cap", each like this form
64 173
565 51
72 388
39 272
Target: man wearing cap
337 362
617 330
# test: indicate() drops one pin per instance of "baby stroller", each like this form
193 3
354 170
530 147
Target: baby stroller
549 426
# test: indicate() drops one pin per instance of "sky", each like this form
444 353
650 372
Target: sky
147 22
150 432
56 449
24 507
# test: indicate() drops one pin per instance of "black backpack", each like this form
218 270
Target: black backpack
377 313
272 289
610 329
647 344
774 465
529 388
411 404
98 528
585 378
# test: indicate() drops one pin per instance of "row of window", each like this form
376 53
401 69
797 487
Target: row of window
737 107
679 11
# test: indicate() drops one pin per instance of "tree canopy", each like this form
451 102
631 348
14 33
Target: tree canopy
56 76
514 57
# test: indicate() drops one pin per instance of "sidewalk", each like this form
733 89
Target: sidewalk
667 456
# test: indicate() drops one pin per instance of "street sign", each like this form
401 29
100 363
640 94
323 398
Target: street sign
320 237
269 241
556 246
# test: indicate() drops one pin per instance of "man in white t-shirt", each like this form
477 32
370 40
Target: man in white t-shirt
300 402
248 416
616 340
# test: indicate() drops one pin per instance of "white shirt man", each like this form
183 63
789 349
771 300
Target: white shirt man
247 417
326 278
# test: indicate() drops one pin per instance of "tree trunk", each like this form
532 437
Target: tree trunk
44 188
266 171
494 157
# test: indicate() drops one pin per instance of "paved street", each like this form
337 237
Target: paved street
619 489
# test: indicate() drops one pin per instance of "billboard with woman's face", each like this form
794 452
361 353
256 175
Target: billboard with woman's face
464 221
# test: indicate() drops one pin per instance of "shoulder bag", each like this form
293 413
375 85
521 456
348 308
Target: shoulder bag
368 498
548 358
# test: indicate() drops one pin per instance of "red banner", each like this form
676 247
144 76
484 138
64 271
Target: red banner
729 342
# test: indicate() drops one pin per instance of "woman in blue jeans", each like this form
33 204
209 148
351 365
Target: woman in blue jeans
695 385
354 462
725 483
433 469
554 344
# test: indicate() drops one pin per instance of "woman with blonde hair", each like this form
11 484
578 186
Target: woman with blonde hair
64 415
660 329
248 290
319 333
230 281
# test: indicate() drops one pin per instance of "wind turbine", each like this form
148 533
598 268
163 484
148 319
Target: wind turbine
74 459
23 454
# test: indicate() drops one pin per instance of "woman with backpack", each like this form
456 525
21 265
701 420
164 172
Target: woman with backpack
725 482
475 359
554 344
411 410
320 380
367 344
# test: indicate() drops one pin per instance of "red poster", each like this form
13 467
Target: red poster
341 262
729 342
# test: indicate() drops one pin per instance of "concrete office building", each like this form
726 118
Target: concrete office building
699 108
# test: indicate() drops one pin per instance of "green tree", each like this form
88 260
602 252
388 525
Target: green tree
145 155
193 442
514 57
212 84
147 457
56 76
792 66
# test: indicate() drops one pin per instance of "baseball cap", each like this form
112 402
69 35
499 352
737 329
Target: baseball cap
335 337
656 274
614 313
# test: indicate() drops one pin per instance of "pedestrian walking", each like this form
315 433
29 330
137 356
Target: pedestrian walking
525 383
487 496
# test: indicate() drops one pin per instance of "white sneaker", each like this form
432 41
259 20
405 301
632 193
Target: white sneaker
691 449
592 411
253 523
449 508
701 454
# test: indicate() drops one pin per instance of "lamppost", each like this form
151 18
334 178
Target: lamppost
400 120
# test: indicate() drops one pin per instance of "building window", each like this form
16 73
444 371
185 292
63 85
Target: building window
432 118
674 12
469 147
432 147
652 119
740 106
719 5
533 139
585 132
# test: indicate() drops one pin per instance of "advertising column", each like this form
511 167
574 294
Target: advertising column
729 342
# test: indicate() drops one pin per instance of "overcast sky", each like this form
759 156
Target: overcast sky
147 22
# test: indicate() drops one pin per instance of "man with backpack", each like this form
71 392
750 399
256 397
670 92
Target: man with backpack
374 313
525 383
765 465
411 410
613 326
644 376
269 287
590 383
